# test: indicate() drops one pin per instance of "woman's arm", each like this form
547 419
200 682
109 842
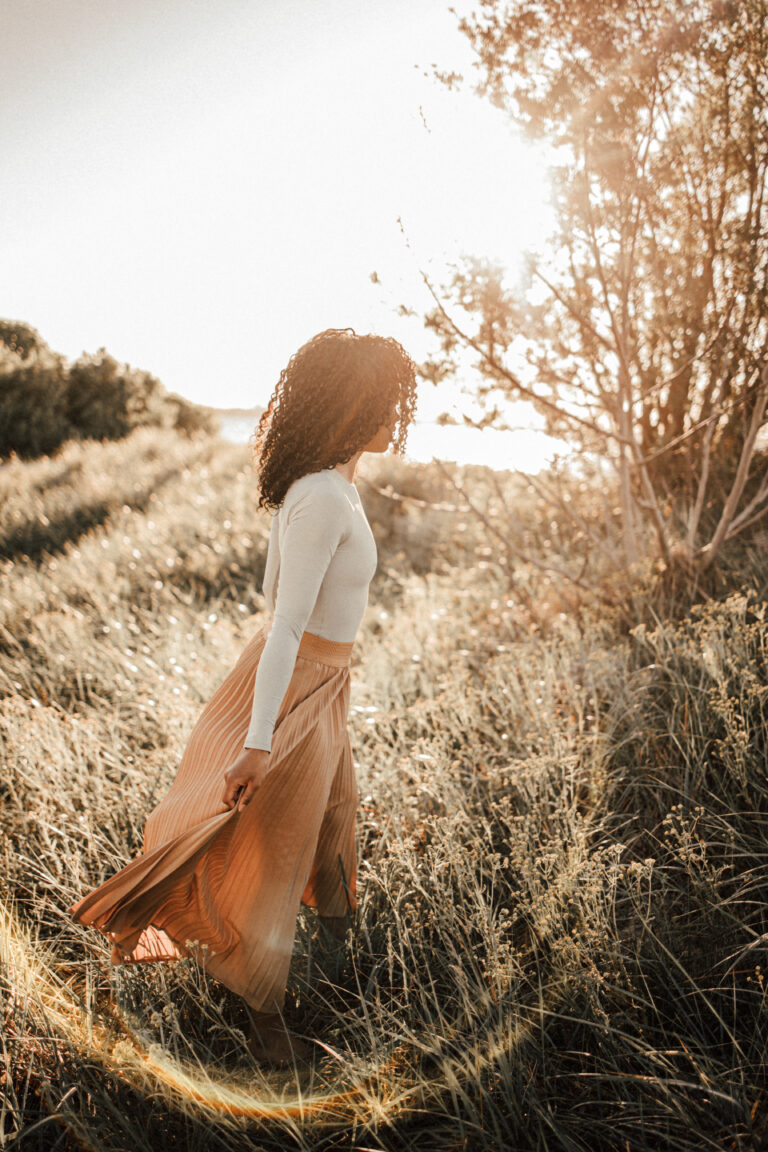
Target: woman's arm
314 529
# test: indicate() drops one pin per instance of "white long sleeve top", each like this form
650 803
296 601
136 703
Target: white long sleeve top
321 559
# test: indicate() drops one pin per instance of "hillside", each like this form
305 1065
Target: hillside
561 935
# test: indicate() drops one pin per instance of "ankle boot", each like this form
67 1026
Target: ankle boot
270 1041
330 947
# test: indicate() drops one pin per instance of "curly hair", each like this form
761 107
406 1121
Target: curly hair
332 397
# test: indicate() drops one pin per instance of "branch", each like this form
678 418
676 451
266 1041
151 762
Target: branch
619 344
746 523
701 424
522 555
710 550
549 373
605 433
658 519
560 503
692 359
578 317
704 477
760 495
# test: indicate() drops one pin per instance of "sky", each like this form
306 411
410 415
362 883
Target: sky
201 187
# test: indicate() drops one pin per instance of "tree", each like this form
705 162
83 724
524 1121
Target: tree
649 347
33 393
45 401
107 399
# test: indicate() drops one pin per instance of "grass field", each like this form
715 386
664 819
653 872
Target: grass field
563 832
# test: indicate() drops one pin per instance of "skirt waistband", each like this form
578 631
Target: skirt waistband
337 653
334 652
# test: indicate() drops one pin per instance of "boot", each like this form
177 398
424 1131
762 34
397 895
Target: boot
330 942
271 1042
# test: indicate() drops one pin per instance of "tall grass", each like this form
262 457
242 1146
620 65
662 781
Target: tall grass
561 934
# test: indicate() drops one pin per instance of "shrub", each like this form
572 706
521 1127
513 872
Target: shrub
190 419
105 399
33 393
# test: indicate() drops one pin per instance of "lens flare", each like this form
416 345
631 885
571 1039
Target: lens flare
377 1095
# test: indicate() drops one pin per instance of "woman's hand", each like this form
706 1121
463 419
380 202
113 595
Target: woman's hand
246 772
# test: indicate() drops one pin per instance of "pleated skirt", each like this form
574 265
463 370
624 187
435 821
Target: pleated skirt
226 886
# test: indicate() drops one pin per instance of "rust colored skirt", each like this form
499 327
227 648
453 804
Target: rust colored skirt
234 881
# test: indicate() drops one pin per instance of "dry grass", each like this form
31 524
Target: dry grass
562 925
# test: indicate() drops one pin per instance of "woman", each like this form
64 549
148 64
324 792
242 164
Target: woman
261 814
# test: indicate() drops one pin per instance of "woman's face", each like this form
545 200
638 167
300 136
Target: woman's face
381 439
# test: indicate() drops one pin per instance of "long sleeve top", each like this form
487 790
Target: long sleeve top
321 558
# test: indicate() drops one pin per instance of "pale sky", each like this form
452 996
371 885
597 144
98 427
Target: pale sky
199 187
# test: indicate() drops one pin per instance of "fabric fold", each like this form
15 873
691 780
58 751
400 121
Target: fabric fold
224 885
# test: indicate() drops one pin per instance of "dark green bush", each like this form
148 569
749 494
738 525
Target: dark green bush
45 401
106 399
33 393
190 419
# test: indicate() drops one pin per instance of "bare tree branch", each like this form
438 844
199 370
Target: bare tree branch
512 548
710 550
558 502
502 370
700 424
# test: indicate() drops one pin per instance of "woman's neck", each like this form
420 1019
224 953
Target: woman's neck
347 469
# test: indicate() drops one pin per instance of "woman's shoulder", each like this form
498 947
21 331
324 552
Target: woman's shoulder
316 488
